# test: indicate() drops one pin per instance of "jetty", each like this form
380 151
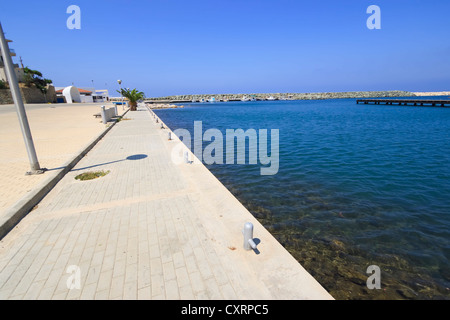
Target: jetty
406 102
154 227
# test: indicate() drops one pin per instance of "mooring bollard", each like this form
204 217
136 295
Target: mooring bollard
170 135
186 157
157 120
162 126
248 236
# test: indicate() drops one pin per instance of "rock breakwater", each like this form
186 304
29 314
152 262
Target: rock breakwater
286 96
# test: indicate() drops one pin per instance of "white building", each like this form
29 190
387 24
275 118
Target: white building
101 95
19 71
87 95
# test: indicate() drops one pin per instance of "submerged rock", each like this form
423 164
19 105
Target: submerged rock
407 293
337 245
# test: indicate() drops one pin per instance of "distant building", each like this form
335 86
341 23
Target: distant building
101 96
97 95
87 95
71 94
19 71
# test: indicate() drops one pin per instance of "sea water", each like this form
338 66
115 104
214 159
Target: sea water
357 186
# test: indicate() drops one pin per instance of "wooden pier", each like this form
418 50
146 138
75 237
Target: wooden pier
406 102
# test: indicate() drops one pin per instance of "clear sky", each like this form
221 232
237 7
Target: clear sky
167 47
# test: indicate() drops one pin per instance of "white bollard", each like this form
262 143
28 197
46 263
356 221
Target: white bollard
248 236
186 157
170 135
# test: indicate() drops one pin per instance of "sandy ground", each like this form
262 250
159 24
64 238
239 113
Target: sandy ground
59 131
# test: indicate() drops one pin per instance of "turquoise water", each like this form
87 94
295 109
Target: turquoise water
357 186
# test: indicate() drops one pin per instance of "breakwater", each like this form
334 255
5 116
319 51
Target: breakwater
282 96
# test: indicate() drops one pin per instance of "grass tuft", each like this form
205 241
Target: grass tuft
90 175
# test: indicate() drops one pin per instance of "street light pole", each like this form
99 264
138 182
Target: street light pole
121 96
15 92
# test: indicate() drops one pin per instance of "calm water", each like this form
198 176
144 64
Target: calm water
357 186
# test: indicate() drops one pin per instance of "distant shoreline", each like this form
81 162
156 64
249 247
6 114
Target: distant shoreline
432 94
290 96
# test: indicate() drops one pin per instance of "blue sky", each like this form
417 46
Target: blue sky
167 47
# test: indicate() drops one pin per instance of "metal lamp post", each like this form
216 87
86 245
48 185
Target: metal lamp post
15 92
121 96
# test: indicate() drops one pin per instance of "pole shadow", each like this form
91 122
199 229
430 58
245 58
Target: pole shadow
131 158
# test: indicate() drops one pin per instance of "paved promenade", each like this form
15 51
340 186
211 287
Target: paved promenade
150 229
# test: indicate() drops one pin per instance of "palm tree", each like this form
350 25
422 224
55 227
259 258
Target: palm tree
133 97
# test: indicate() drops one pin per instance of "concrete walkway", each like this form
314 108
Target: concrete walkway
150 229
